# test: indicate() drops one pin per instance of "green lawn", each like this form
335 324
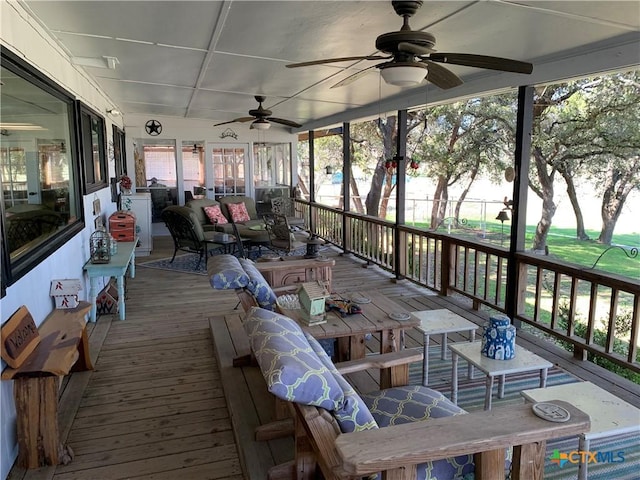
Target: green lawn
564 246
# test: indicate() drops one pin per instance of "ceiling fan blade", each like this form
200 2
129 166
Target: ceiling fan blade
242 119
282 121
352 78
441 76
335 60
415 49
482 61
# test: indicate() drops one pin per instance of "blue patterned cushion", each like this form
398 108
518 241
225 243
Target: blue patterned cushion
289 365
395 406
258 286
353 415
225 272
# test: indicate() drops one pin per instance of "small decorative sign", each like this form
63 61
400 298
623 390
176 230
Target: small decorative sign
229 133
65 292
20 337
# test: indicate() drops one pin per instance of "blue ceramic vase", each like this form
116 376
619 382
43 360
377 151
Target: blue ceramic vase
499 338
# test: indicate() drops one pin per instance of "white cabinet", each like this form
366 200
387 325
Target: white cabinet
140 205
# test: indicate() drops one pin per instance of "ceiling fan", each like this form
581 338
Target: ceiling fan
411 57
261 117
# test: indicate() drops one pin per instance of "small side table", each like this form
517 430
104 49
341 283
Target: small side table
609 414
117 267
525 361
434 322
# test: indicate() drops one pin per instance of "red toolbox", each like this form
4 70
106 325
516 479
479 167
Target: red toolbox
122 226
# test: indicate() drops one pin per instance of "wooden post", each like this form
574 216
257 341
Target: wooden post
490 465
36 402
528 461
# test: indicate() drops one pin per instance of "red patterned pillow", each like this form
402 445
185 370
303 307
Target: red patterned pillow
238 212
214 214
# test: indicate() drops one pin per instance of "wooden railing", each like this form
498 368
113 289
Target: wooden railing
592 310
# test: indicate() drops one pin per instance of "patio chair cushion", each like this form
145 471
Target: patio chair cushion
214 214
290 366
258 286
395 406
225 272
353 415
238 212
198 205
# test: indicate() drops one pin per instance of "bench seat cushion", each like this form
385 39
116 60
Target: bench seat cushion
290 367
225 272
414 403
353 415
258 286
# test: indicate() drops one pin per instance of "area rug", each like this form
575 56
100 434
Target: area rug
185 263
471 397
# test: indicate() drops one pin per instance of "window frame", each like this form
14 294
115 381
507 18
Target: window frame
119 152
11 272
84 131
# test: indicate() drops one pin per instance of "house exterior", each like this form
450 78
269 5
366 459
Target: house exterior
23 37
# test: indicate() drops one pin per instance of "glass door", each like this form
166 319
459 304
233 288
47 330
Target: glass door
227 175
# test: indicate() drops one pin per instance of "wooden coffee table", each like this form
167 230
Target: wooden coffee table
441 322
350 330
524 361
609 414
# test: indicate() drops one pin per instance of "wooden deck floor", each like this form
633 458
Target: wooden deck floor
155 407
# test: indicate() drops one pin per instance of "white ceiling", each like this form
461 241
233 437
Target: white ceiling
207 59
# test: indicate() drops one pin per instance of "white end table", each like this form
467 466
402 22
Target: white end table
524 361
434 322
609 414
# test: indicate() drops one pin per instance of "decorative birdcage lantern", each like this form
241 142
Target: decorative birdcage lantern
100 246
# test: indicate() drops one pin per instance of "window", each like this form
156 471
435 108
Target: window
41 202
272 164
156 174
119 155
228 170
159 164
92 144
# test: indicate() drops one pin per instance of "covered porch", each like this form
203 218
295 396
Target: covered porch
165 402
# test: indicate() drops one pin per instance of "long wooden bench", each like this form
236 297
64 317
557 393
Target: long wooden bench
396 450
37 359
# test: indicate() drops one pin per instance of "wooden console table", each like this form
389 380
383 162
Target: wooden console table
291 270
63 345
117 267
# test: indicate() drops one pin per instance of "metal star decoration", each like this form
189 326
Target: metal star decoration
153 127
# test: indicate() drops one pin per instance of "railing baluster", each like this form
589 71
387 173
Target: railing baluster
635 327
555 305
613 313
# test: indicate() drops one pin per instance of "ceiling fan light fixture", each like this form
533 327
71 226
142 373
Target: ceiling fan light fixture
404 75
260 124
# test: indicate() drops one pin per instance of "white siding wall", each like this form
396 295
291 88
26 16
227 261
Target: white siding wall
23 36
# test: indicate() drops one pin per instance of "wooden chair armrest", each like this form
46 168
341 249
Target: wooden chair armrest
379 361
397 446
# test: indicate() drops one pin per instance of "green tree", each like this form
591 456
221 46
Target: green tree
464 140
587 129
